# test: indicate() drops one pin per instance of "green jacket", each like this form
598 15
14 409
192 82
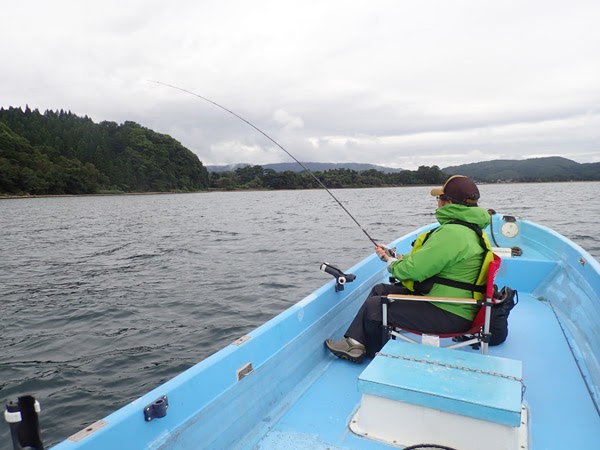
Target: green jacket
452 251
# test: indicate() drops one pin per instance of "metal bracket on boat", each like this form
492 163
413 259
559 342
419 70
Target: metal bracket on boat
87 431
341 278
157 409
244 371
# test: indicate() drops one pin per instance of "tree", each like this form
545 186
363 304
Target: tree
59 152
247 174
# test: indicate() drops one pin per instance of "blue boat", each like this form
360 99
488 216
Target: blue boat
279 388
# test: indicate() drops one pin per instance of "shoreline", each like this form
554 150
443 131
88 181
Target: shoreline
208 191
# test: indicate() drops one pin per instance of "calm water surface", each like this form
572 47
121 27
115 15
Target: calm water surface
105 298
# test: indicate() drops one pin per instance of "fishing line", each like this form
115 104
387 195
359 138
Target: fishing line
278 145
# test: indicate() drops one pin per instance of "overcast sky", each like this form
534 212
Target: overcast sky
395 83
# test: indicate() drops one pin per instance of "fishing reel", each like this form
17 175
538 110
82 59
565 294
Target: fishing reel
341 278
391 252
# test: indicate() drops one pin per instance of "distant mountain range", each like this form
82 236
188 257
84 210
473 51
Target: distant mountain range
312 166
553 168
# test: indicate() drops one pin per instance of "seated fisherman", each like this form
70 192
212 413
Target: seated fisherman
457 251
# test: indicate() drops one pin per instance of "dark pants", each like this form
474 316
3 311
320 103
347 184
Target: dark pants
412 315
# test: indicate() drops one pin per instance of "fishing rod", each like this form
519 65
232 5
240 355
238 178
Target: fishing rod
389 251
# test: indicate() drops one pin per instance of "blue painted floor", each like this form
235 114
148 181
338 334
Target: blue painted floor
562 415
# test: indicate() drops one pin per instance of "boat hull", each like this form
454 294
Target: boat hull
278 387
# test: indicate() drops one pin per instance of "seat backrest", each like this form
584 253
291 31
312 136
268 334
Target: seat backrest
491 276
479 320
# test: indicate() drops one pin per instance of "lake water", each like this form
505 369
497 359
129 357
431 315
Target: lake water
105 298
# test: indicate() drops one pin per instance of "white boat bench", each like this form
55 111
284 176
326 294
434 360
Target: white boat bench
415 394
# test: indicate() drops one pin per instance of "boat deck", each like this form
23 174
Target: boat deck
334 389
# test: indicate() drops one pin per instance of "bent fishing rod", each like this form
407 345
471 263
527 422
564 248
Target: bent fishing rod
319 182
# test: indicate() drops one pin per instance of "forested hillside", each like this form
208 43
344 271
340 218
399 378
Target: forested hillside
258 177
527 170
61 153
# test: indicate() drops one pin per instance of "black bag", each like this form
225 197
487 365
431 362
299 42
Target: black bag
500 313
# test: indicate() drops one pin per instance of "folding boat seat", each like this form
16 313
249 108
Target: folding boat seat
478 333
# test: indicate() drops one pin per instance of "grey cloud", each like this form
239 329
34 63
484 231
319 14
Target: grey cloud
394 82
